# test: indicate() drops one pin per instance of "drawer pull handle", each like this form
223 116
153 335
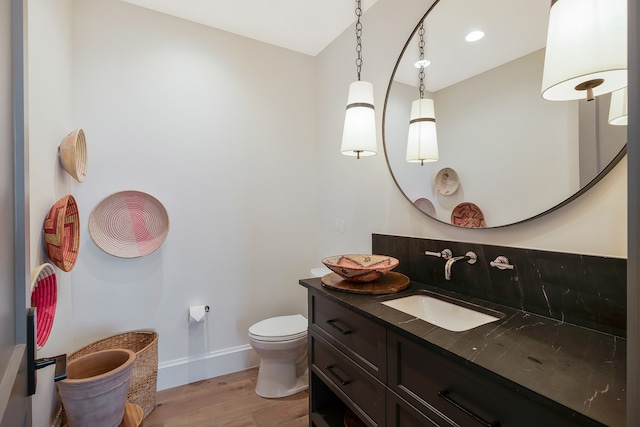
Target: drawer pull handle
445 394
332 372
342 331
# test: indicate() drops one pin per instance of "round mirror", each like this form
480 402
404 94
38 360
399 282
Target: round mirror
506 155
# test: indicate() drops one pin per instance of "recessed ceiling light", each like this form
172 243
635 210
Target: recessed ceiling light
474 36
422 63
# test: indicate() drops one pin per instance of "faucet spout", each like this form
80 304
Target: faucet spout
470 257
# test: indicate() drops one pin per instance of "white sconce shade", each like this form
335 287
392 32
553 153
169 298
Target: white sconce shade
359 134
422 144
586 52
618 108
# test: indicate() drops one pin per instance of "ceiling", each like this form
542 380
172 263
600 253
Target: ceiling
302 26
513 28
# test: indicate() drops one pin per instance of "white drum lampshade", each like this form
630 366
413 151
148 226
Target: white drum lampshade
618 108
422 144
359 134
586 52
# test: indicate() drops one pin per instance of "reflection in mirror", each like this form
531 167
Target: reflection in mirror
516 155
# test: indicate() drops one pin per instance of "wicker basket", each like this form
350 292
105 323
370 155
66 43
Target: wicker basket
142 389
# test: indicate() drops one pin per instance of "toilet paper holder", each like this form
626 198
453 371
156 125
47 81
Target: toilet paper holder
197 313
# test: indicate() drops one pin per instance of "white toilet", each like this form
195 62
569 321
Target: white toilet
281 343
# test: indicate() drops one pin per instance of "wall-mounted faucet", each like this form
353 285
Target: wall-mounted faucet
470 257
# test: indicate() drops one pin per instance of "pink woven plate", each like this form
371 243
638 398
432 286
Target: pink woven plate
44 297
129 224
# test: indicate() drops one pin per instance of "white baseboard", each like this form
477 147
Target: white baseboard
187 370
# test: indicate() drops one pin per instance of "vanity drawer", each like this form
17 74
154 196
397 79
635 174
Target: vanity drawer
438 386
358 337
402 414
348 379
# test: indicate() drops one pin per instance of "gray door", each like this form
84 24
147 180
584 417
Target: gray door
15 406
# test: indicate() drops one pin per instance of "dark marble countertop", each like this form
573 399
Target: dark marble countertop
580 368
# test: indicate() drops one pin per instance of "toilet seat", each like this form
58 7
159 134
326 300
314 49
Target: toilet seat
281 328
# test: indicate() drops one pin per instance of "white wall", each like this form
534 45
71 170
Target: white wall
221 130
362 192
49 71
49 117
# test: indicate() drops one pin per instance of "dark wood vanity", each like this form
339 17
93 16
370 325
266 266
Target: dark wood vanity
525 369
391 378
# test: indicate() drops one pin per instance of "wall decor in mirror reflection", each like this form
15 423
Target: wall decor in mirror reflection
515 154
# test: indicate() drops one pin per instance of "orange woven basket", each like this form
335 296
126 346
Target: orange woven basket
62 233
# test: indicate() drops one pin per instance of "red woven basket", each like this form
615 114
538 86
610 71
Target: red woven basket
62 233
44 297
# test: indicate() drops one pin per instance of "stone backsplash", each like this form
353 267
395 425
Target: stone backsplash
584 290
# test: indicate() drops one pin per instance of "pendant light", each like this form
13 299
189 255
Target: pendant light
359 133
422 144
586 52
618 108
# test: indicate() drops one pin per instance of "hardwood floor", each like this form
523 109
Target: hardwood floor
228 401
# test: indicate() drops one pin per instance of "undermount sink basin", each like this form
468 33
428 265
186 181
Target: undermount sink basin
446 315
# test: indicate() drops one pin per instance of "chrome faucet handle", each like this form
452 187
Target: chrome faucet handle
444 254
501 262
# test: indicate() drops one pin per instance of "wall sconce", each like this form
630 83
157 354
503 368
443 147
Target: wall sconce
359 133
586 52
618 107
422 144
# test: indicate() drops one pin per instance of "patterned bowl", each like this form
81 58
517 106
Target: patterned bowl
73 154
360 268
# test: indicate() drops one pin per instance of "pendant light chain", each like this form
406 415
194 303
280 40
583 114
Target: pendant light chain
358 39
359 134
421 44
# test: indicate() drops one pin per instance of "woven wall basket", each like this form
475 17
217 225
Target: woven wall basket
129 224
44 297
73 154
62 233
144 377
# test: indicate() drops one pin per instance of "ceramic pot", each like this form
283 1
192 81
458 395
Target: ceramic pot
96 387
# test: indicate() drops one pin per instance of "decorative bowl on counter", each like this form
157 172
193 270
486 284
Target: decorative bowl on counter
360 268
